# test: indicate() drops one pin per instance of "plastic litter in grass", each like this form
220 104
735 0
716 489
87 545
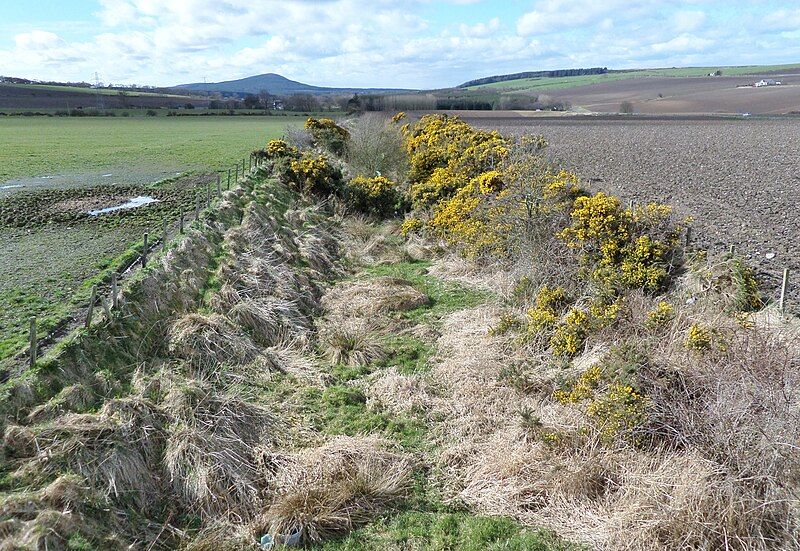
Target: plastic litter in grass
132 204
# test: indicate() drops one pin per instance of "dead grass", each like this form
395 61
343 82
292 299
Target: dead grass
209 340
327 491
350 342
367 298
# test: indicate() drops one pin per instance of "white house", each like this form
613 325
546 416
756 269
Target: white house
767 82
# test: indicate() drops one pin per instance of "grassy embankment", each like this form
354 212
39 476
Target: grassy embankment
52 251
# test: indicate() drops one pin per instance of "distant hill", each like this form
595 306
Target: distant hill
278 85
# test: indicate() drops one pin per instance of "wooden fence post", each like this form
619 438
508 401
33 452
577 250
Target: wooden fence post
106 309
237 173
114 292
688 237
92 300
144 251
243 160
219 184
181 223
33 341
164 236
784 290
229 178
251 162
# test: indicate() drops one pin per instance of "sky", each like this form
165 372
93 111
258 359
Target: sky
382 43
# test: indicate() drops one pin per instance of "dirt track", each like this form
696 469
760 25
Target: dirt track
739 179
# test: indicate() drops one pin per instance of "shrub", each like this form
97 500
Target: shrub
411 225
328 134
378 195
663 313
313 175
458 151
547 309
698 338
623 248
376 147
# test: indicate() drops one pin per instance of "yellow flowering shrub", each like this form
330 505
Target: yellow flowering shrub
570 335
617 410
326 133
451 145
313 175
698 338
411 225
377 195
623 248
279 148
550 302
582 389
461 219
662 314
398 116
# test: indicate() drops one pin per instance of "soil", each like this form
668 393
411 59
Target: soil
738 179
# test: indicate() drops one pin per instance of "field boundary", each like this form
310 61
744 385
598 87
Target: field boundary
105 293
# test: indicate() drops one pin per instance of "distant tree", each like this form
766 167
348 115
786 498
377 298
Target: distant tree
251 101
302 102
626 107
266 99
354 103
718 73
189 106
213 104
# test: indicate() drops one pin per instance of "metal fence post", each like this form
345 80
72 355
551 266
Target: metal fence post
144 251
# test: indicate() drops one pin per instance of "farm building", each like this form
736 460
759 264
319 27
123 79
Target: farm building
767 82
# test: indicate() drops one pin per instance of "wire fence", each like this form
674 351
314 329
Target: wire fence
106 294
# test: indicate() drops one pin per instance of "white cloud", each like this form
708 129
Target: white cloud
682 44
688 21
782 20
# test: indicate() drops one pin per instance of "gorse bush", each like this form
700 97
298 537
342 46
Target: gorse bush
379 196
312 175
445 154
328 135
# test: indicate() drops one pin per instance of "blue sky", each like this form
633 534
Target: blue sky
392 43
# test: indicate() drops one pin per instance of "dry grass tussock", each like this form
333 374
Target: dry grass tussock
349 341
209 340
210 454
715 465
488 278
327 491
375 296
370 243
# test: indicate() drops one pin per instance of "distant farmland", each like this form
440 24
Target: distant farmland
665 91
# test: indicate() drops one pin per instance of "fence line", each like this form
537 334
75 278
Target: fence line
36 344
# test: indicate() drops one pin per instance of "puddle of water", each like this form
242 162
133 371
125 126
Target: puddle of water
131 204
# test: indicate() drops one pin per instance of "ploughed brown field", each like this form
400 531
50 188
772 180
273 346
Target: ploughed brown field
689 95
738 178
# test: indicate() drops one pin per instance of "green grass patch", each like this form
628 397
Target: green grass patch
408 353
446 531
445 296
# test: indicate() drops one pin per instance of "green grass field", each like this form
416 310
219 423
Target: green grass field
35 146
48 260
101 91
555 83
